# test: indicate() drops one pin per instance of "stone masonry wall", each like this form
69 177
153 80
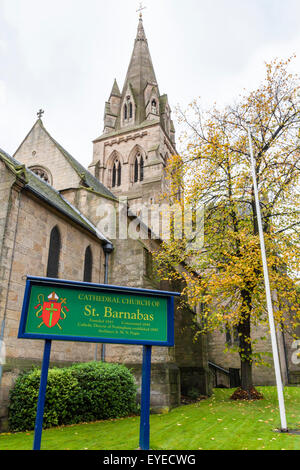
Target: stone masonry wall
262 375
30 257
152 142
26 252
39 150
128 267
7 198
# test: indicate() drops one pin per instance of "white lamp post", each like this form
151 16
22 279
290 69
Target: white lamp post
268 295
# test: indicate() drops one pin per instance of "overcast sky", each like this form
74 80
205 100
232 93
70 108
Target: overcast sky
63 56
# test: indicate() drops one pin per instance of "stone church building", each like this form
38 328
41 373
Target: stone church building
51 225
50 213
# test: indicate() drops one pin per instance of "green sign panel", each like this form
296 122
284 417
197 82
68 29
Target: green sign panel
62 311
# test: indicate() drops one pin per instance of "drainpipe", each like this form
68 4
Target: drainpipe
108 249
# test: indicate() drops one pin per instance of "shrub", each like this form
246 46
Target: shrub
106 391
81 393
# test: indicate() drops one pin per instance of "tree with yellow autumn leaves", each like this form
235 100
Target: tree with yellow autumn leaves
225 275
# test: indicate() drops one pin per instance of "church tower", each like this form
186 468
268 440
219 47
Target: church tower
139 136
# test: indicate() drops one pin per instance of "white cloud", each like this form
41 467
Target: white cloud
3 46
2 93
63 56
250 77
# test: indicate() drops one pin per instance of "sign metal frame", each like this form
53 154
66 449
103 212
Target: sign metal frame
89 287
146 343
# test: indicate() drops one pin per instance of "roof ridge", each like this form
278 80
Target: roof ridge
78 167
38 120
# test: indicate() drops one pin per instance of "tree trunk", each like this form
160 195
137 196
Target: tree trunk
246 391
246 375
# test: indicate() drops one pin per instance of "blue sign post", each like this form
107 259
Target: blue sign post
42 395
70 310
145 399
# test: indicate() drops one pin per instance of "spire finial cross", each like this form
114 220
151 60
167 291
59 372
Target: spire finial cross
40 113
141 8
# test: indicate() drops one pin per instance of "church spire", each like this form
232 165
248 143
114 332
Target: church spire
139 101
115 89
141 36
139 135
140 73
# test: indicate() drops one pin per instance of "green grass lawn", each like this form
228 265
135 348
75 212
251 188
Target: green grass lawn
216 423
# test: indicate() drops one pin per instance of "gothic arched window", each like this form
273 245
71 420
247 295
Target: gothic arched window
138 168
154 107
119 175
88 265
116 174
54 253
42 173
125 111
130 110
142 169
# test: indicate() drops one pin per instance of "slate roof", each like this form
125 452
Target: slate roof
87 178
47 193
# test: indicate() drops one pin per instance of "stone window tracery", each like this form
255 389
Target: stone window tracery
138 168
154 107
128 109
41 173
117 174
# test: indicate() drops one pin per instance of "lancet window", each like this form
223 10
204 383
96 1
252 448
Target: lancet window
117 174
138 168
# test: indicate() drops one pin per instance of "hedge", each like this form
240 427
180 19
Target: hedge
81 393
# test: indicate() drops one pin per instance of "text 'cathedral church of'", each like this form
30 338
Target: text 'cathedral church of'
50 213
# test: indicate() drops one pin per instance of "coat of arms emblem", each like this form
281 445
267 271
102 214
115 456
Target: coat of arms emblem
51 311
